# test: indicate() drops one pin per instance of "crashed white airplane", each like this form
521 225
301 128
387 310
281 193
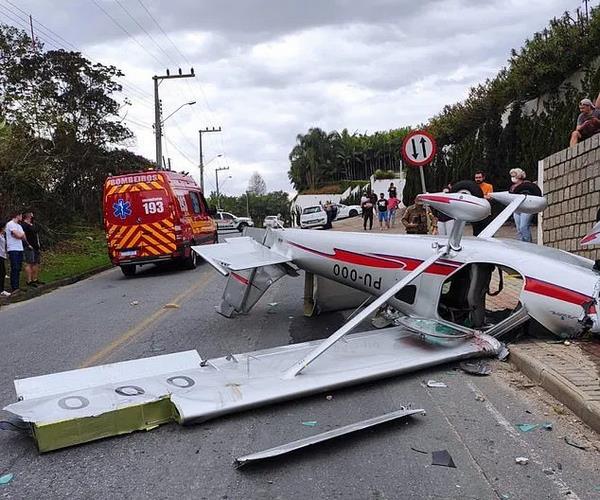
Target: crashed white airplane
436 284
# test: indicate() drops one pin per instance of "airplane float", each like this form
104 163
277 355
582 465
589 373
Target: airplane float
436 285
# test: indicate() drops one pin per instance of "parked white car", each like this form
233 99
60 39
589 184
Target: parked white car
314 216
344 211
273 221
226 220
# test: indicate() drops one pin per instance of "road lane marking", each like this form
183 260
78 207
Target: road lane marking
139 328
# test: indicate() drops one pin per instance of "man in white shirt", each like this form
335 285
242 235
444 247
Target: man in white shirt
3 256
15 237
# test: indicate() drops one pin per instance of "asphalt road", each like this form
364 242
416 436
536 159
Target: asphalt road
109 318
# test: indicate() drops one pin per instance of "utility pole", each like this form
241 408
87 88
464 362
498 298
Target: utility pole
200 132
217 170
157 122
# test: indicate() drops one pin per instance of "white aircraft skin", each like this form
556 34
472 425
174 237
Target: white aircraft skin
560 291
557 284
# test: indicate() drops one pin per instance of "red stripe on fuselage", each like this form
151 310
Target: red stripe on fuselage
553 291
239 278
381 261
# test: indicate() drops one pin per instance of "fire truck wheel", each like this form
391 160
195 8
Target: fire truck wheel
128 270
192 261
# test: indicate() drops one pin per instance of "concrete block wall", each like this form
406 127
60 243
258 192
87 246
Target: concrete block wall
570 179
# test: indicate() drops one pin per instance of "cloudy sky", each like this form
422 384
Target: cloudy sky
267 70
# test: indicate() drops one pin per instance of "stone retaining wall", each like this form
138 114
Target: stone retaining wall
570 179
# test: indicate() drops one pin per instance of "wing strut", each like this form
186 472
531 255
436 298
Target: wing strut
354 322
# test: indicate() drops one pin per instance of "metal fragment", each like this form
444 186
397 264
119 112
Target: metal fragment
324 436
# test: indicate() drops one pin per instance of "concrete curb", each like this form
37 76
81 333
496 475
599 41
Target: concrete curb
557 385
40 290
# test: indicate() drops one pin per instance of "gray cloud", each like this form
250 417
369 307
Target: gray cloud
270 69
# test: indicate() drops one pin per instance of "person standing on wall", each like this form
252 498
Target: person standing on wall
31 254
486 188
3 256
15 242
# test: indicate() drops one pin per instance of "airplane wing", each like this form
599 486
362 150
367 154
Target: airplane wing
238 254
593 237
251 268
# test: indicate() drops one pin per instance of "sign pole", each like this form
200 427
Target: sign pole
422 180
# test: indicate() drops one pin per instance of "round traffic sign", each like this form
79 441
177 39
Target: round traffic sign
418 148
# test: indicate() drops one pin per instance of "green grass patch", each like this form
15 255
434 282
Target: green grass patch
84 250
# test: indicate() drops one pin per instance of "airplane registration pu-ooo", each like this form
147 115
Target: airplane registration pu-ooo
439 288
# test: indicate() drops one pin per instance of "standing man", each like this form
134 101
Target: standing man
367 210
392 192
487 189
15 240
382 211
31 254
415 219
588 121
3 255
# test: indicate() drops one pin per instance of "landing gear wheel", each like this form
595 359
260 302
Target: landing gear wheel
128 270
470 187
527 187
192 261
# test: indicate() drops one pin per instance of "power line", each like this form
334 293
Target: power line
53 39
117 23
145 31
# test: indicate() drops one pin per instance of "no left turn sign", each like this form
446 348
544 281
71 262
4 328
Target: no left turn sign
418 148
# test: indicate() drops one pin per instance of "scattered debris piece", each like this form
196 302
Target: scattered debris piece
567 342
419 451
434 383
522 460
324 436
134 303
7 478
273 304
503 354
442 458
547 426
269 482
479 397
548 472
527 427
329 397
310 423
527 411
575 443
478 367
171 306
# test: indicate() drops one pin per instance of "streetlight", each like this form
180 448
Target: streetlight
191 103
217 170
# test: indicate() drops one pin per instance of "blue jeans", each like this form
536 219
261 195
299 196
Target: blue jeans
16 259
523 223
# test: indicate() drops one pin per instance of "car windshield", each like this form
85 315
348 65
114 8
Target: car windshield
271 217
312 210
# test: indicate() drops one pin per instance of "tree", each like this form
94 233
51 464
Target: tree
60 130
257 185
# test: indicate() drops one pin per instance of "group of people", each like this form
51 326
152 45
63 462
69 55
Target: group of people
418 220
385 208
19 244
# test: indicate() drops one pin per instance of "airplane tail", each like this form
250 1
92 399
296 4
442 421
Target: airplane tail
250 265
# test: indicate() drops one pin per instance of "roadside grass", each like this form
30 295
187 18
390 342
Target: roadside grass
84 250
